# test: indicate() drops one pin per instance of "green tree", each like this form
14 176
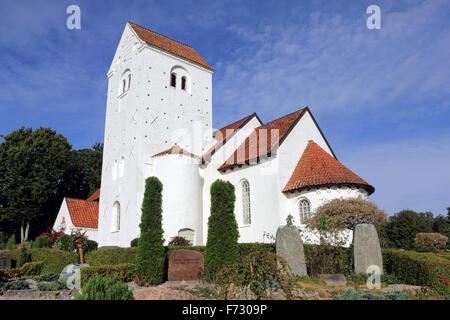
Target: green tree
222 243
404 226
32 164
150 252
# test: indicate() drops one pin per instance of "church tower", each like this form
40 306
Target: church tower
159 96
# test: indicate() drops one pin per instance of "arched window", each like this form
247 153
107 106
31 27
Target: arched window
173 80
125 83
245 202
188 234
129 81
183 83
304 209
116 217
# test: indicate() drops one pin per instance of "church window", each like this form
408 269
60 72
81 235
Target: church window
183 83
125 83
304 209
173 80
187 234
245 199
116 217
129 81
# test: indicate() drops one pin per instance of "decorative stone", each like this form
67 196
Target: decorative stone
33 284
366 248
72 274
334 280
5 261
185 265
289 245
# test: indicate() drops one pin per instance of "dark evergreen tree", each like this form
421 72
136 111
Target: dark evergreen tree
150 251
222 243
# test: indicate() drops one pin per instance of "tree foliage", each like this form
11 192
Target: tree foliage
222 243
150 252
341 214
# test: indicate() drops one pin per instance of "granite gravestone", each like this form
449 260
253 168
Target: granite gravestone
185 265
5 261
72 274
289 245
366 248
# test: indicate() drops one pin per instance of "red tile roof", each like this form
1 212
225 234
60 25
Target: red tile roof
83 213
317 168
169 45
253 149
224 134
95 196
175 150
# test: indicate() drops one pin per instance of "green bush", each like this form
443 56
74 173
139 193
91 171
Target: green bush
431 242
54 260
108 288
111 256
11 243
361 295
150 252
323 259
3 239
91 245
31 268
246 248
53 286
134 242
42 242
126 272
222 243
179 242
15 285
24 257
65 243
417 268
49 277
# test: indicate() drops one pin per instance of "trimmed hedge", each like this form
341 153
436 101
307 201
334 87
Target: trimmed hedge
126 272
28 269
53 260
417 268
111 256
328 259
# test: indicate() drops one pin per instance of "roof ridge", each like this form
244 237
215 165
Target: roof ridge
267 123
184 44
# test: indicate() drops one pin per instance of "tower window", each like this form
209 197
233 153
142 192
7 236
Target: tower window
246 214
116 217
183 83
173 80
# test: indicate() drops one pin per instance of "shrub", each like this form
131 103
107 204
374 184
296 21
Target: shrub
52 234
42 242
134 242
323 259
49 277
433 242
53 286
416 268
222 246
24 257
65 243
11 243
150 252
111 256
15 285
91 245
261 272
126 272
179 242
108 288
3 239
53 260
31 268
246 248
344 214
361 295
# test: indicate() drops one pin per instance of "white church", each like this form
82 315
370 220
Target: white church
159 123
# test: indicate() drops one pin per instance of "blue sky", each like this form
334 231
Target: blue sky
382 97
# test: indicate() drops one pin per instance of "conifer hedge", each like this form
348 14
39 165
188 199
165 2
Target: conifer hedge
222 243
150 252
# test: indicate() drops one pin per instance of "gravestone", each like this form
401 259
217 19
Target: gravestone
289 245
334 279
72 274
185 265
5 261
366 248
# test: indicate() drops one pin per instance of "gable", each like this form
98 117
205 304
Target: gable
83 213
